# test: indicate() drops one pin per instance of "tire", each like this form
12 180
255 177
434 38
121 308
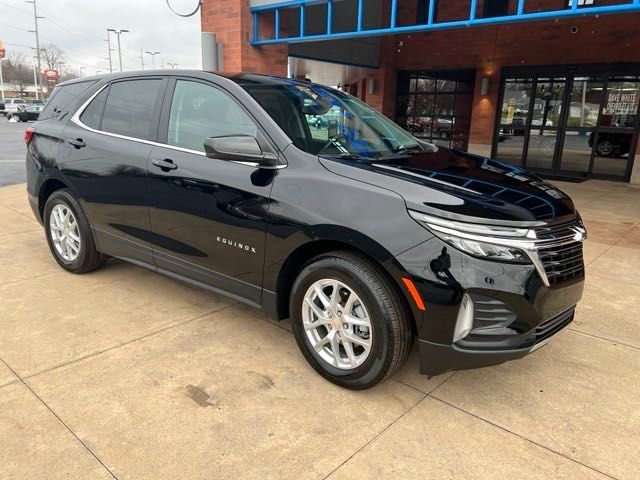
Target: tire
389 337
605 148
85 257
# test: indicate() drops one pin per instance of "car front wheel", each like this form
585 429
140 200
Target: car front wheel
69 234
348 320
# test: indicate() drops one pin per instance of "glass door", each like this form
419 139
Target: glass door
570 126
546 123
614 143
584 100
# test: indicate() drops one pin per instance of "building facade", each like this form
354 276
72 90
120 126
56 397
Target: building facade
550 85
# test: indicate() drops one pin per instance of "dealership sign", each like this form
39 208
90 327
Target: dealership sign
51 75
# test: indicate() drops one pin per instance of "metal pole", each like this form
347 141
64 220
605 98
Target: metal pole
35 19
119 50
1 81
109 47
153 58
35 81
141 59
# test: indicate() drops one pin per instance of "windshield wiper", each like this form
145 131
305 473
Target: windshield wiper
415 148
348 156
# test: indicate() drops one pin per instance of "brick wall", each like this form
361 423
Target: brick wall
232 22
602 39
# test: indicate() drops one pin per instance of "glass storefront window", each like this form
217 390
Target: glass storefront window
513 118
585 100
516 101
575 125
437 106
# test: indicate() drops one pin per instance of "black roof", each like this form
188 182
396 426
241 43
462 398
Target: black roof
239 78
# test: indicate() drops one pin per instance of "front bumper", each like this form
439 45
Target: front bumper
436 358
513 311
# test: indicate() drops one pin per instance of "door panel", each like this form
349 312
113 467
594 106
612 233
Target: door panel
208 220
108 170
109 175
208 216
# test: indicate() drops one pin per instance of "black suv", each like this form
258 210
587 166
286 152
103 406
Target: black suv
363 235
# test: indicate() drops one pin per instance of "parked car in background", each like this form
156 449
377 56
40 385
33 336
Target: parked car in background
27 114
12 105
364 236
612 144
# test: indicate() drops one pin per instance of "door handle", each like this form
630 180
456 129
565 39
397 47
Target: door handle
76 142
165 164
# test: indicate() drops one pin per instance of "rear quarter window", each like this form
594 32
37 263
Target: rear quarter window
62 99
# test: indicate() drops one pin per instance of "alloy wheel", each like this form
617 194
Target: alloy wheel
337 324
605 148
65 232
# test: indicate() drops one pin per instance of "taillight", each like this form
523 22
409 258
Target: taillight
28 134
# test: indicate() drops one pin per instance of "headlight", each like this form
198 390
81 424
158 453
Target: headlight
487 250
490 242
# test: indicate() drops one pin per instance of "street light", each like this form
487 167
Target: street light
118 32
172 65
153 57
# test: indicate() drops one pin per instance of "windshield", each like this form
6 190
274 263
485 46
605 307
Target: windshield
324 121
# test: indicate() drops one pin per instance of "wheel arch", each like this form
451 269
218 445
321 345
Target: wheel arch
380 258
48 187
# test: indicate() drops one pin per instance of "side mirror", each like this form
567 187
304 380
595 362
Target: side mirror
238 148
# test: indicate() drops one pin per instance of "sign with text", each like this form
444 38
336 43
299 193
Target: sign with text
52 75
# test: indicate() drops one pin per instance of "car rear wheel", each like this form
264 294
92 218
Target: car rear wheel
69 234
605 148
348 321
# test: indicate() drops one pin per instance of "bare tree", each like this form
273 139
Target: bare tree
52 56
16 70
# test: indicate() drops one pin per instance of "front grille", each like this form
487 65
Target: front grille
562 258
554 325
562 263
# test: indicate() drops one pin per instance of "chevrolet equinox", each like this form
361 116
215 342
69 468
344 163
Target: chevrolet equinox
303 201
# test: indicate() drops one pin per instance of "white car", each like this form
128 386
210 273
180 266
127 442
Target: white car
12 105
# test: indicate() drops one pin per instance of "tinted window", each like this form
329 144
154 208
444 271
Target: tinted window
129 108
92 115
63 98
201 111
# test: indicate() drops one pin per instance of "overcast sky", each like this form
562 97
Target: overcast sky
79 28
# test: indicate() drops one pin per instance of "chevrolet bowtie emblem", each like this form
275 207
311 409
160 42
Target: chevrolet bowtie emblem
580 234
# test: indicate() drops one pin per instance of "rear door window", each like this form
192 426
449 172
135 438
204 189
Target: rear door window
129 108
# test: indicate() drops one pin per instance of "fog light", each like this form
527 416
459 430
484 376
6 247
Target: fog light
464 322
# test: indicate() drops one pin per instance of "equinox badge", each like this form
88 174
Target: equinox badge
232 243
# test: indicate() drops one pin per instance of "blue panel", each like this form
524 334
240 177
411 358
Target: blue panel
394 13
472 10
631 6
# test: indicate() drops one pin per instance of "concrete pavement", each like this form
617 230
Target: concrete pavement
124 373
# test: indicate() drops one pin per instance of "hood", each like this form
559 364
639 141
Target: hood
458 185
